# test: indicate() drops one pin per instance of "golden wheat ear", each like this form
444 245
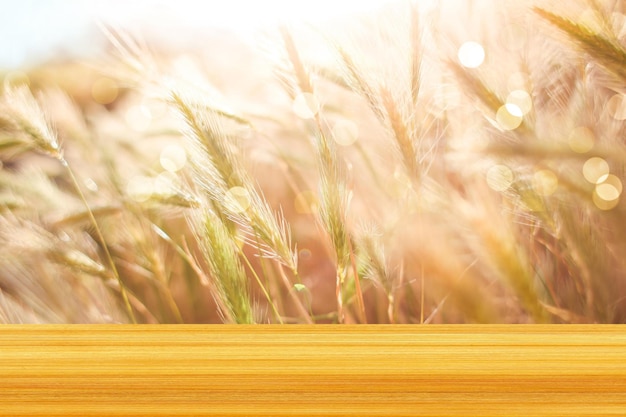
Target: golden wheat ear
29 117
604 50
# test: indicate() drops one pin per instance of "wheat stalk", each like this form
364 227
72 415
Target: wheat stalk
29 117
334 193
607 52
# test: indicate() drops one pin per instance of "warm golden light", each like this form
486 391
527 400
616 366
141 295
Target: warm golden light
499 177
238 199
581 139
617 106
104 90
605 197
595 169
614 181
607 192
545 182
471 54
315 162
509 117
520 99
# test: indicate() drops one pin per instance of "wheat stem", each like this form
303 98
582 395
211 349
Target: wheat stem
265 293
102 242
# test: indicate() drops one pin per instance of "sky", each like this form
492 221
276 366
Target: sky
33 31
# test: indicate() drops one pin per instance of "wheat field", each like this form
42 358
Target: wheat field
427 162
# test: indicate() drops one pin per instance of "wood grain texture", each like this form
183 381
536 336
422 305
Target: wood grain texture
313 371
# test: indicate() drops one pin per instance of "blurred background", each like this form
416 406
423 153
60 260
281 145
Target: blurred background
32 31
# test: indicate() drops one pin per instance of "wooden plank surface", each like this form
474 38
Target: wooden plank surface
313 370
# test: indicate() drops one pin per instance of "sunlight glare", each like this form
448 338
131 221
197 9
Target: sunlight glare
241 16
614 181
521 99
471 54
545 182
595 170
238 199
606 196
509 117
581 139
